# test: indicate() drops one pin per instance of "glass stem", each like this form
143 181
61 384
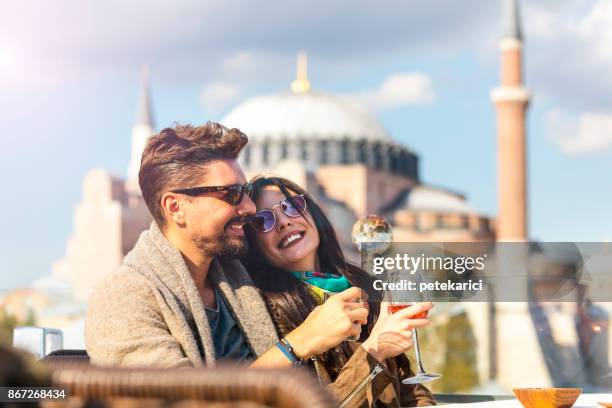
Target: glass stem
417 352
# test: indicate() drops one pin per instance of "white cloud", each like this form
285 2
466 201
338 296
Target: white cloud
596 29
218 96
397 90
251 67
238 61
569 52
591 132
180 38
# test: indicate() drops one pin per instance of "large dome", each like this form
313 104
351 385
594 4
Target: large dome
430 199
312 114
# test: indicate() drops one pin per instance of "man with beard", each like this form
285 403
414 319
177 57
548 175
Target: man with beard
180 299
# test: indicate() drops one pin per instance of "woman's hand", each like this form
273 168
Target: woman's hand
330 324
392 333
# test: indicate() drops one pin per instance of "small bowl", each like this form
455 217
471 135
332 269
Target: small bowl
547 397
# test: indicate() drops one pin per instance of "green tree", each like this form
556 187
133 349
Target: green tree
9 321
449 348
459 373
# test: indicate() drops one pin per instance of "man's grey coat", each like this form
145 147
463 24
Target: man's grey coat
149 311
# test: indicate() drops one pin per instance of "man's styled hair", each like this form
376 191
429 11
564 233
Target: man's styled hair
175 157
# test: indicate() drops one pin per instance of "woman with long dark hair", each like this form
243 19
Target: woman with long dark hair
295 259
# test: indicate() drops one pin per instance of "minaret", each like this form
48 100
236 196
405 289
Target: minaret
511 100
301 83
142 130
513 335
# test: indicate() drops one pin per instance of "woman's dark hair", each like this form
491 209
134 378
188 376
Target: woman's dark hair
288 299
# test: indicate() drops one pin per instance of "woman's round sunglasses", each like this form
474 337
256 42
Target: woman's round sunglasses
265 220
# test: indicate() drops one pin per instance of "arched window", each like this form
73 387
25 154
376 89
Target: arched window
405 163
394 160
284 149
265 153
247 156
413 166
363 152
323 151
378 159
440 221
344 151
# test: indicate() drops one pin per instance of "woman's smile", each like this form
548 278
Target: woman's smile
290 239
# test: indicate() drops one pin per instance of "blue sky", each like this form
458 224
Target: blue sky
69 77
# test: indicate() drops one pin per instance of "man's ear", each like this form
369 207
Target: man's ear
172 205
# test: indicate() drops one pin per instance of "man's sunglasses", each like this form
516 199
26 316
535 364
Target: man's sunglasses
233 193
265 220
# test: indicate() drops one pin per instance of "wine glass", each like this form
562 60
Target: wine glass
372 235
327 295
421 375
